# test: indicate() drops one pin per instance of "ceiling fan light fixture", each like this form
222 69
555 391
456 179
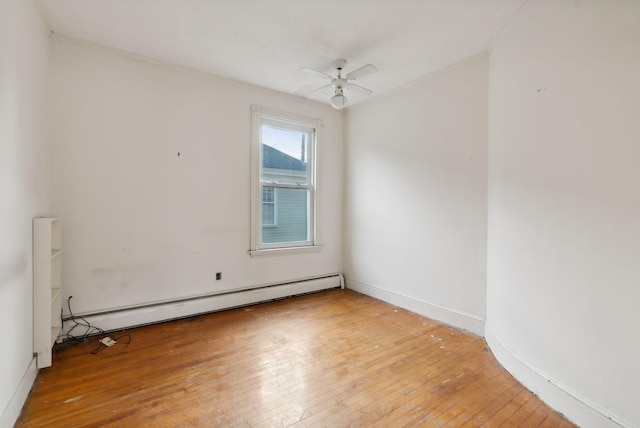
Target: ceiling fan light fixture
338 100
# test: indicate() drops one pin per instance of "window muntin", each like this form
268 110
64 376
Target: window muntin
284 151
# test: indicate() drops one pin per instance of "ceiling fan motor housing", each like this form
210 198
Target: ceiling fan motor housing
339 83
339 63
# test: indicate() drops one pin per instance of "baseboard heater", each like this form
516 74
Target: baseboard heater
139 315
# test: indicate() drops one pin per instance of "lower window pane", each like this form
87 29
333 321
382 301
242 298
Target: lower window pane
292 222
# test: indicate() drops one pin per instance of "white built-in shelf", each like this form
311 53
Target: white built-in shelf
47 287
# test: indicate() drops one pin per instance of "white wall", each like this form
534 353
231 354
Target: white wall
564 206
416 177
142 224
24 56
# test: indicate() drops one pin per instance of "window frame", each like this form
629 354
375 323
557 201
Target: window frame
257 248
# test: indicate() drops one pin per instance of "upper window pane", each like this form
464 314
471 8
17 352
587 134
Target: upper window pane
285 154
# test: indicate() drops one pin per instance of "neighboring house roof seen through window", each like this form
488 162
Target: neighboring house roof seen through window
275 159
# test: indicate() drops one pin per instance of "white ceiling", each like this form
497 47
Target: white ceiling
266 42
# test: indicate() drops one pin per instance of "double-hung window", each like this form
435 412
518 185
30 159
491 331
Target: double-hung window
284 193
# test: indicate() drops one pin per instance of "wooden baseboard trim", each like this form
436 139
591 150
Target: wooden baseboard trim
575 407
454 318
14 407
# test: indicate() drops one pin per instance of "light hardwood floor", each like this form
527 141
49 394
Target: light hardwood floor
335 359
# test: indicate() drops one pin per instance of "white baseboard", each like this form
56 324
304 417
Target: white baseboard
14 407
168 310
575 407
457 319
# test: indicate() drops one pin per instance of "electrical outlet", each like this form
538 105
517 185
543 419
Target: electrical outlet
218 276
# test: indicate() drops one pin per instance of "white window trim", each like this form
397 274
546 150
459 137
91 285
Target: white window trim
266 252
256 250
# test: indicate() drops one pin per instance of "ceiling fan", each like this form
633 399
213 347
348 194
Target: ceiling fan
341 83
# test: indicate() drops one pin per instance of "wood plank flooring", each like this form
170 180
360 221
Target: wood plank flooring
335 359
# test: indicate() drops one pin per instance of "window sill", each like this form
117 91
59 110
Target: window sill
285 251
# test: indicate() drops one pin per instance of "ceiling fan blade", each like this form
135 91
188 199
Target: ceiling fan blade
359 89
320 89
361 72
306 90
313 90
316 73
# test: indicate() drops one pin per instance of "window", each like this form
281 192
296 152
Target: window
284 201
